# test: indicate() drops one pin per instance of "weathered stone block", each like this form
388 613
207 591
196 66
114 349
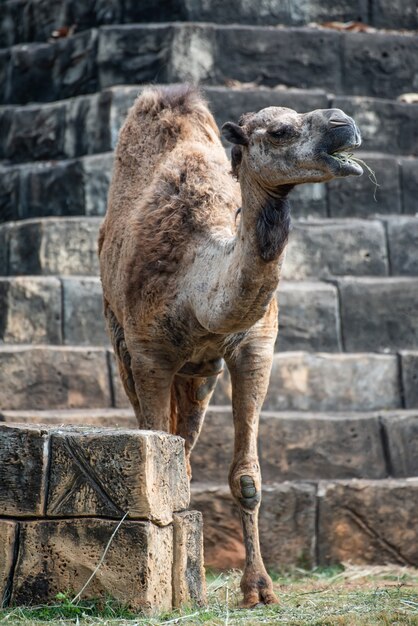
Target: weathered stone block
30 310
53 377
113 418
57 555
133 54
31 69
55 246
403 244
287 522
409 368
379 315
4 249
308 317
51 188
7 547
87 125
322 249
388 14
379 64
147 476
9 193
188 571
5 65
122 98
75 71
409 172
324 382
382 123
192 54
83 312
402 442
309 201
23 467
362 198
296 446
36 132
297 57
97 176
368 522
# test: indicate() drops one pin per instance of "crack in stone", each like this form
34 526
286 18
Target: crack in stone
395 552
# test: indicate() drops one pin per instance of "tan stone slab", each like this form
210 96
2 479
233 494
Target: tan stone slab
106 472
287 525
8 531
365 521
39 377
23 463
188 571
122 418
60 555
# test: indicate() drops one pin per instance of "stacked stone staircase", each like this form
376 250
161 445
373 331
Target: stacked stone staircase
339 429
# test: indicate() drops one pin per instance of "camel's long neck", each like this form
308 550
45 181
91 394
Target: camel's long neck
249 275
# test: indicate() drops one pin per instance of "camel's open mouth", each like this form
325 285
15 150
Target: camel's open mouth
344 163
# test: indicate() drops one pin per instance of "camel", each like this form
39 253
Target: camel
190 258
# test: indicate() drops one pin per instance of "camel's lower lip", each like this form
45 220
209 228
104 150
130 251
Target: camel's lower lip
342 163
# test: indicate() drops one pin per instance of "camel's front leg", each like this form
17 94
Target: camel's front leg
250 370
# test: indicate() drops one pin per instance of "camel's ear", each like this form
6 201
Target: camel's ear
234 134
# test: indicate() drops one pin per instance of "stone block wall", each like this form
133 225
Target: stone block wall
63 493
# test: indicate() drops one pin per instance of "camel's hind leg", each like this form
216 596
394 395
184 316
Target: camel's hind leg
190 397
123 358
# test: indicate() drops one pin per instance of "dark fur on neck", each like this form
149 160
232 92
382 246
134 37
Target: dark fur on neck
273 224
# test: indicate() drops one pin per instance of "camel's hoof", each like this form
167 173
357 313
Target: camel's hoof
258 598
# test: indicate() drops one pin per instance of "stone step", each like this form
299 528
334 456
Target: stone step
90 124
314 316
67 377
211 54
293 445
35 20
318 249
316 523
73 187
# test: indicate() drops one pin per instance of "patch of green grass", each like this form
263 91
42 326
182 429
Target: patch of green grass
333 596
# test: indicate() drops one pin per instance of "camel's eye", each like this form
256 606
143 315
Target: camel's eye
285 131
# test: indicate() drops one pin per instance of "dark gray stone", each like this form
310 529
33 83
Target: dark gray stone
97 176
83 312
45 16
4 249
403 245
133 54
385 126
30 310
309 201
5 71
32 73
409 177
9 193
52 189
379 315
87 129
359 196
75 71
370 522
402 442
327 248
409 368
36 132
379 64
388 14
55 246
297 57
308 317
122 98
40 377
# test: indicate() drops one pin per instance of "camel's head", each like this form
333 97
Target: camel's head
280 146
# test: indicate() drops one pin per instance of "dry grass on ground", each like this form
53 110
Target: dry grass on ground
349 596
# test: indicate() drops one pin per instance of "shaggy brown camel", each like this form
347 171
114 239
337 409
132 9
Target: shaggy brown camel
188 283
